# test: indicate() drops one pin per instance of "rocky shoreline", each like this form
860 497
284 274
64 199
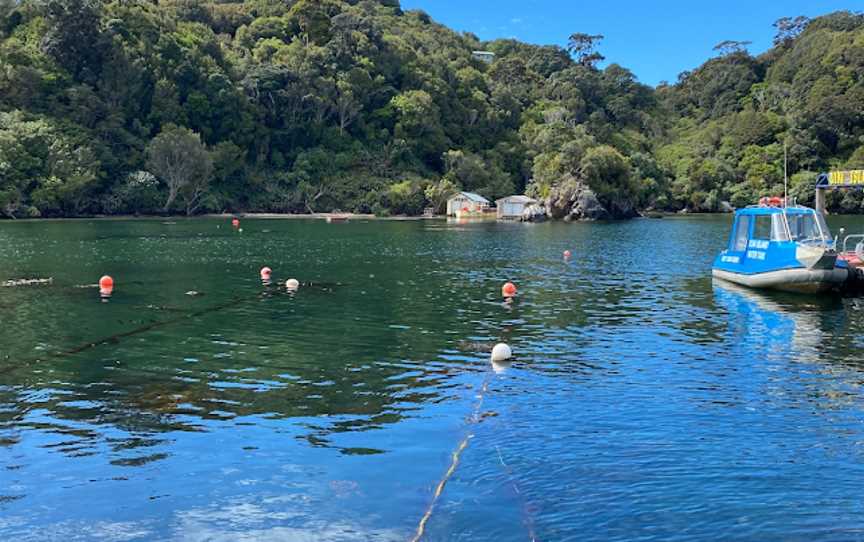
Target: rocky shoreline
573 200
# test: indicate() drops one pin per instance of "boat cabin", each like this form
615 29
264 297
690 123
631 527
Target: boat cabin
777 224
768 237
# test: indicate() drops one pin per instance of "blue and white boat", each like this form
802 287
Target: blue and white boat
782 248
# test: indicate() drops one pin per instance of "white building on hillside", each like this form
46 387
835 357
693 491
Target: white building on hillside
486 56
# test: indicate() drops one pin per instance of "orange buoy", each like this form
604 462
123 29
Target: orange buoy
106 283
235 222
567 254
265 273
508 290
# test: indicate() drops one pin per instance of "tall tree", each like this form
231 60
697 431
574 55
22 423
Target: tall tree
789 28
180 159
584 48
728 47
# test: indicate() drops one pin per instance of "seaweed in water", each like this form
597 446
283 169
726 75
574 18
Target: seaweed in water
138 461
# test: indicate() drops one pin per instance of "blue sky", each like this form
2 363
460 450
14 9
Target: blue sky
655 39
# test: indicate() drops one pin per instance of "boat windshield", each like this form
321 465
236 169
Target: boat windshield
808 228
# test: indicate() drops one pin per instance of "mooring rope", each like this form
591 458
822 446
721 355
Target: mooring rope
116 337
526 512
454 462
237 300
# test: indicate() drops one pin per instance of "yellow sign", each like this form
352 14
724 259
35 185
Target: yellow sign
856 176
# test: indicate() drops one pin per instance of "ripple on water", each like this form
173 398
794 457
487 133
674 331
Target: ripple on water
644 401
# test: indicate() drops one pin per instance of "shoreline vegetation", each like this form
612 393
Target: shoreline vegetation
286 107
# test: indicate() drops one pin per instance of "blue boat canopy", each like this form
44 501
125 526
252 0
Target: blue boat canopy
781 224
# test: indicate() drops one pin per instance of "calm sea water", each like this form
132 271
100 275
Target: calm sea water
643 403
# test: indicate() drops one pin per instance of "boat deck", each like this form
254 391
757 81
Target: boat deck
855 284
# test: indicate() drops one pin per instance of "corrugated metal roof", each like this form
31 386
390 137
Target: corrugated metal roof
517 199
477 198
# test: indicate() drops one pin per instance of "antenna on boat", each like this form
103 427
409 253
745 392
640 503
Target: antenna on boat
785 176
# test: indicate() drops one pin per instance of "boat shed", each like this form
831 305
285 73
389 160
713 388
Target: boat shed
466 203
512 207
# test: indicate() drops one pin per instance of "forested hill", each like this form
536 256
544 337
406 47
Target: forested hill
185 106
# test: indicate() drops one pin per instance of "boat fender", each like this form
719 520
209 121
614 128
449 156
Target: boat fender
859 251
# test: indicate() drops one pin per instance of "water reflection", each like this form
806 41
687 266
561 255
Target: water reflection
779 322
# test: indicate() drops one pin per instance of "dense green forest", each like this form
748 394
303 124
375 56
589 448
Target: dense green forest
184 106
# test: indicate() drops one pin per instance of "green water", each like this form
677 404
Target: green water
644 402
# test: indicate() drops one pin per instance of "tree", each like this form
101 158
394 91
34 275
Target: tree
181 160
438 193
583 46
729 47
789 28
9 18
349 89
608 174
74 38
419 123
311 19
43 169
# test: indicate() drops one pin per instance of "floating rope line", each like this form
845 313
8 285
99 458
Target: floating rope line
234 302
115 338
526 512
454 462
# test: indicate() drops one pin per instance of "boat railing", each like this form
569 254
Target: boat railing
859 246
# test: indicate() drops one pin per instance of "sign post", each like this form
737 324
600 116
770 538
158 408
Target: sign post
820 200
834 180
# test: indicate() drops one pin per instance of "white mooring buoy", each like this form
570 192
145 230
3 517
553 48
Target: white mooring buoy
501 352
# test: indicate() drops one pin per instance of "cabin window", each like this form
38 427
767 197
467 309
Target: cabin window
778 228
742 233
806 227
762 227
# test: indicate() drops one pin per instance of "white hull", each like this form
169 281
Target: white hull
789 280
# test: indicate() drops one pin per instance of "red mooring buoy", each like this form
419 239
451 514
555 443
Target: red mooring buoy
508 290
